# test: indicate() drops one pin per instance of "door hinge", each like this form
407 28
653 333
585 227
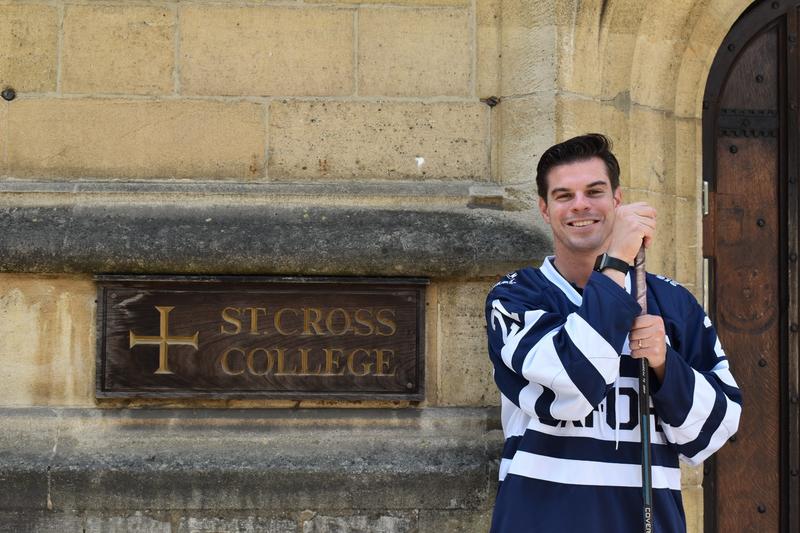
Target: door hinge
705 197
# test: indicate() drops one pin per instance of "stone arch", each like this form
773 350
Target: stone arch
637 70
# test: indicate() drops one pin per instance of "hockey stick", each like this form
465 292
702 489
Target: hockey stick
644 401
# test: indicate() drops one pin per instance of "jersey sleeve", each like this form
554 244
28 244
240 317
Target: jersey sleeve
698 401
552 363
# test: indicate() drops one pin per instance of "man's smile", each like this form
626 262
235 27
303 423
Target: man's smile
581 223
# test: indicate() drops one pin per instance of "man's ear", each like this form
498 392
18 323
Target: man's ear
618 197
543 210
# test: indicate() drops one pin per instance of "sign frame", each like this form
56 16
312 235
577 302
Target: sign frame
106 283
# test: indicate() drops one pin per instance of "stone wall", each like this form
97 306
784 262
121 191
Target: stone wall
368 128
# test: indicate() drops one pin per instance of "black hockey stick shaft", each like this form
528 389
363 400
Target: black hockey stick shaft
644 402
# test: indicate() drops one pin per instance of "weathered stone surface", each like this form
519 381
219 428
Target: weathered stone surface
249 524
118 49
528 47
266 50
136 139
114 463
487 42
688 228
28 44
527 127
456 521
414 52
378 140
395 2
464 370
47 331
248 239
652 150
361 524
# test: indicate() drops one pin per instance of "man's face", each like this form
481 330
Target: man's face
580 207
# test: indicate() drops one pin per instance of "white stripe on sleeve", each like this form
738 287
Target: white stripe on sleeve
546 368
702 404
516 335
593 346
727 428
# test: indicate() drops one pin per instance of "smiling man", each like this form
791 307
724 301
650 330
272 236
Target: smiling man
564 339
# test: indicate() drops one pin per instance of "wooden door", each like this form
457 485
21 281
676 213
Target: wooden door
750 139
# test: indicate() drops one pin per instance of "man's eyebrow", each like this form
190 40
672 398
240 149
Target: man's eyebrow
598 183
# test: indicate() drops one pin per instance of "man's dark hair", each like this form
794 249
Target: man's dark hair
576 149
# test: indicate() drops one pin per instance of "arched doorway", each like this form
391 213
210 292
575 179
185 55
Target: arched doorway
750 164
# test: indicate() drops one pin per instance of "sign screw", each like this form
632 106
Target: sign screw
409 385
762 362
761 508
8 94
761 222
733 149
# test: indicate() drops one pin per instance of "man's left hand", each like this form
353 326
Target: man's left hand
647 340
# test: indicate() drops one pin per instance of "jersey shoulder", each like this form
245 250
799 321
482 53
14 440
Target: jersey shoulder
525 284
670 294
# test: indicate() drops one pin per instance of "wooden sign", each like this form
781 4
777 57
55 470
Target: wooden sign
234 337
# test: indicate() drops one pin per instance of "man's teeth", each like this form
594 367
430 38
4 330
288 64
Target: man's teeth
582 223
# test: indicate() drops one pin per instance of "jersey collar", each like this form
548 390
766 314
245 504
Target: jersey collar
558 280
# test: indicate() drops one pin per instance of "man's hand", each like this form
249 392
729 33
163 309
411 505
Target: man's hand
647 341
634 225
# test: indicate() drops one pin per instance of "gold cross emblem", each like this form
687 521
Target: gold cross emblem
164 341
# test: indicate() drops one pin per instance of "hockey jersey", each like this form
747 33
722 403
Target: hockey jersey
569 395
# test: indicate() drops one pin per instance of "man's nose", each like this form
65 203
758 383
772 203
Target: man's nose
580 202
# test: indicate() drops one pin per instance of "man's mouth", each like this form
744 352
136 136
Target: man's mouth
581 223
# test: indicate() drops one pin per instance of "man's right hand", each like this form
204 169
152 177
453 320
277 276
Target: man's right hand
634 225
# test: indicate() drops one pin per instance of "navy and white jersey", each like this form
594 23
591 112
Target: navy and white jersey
570 409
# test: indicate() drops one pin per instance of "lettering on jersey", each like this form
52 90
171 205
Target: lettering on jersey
668 280
498 314
511 279
628 419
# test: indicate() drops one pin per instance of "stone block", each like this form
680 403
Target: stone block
120 49
47 354
688 161
654 72
249 524
414 52
691 476
474 521
487 44
464 369
669 21
576 116
266 50
112 463
652 150
693 507
136 521
28 47
395 2
688 251
378 140
526 127
136 139
3 139
528 48
196 238
39 522
361 524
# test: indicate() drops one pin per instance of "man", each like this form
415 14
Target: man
564 340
